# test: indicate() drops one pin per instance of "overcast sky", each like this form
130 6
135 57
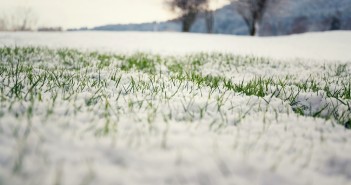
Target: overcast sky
79 13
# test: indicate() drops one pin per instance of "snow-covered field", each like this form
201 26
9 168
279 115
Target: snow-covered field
90 108
322 46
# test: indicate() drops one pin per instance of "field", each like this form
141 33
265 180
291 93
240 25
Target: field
73 116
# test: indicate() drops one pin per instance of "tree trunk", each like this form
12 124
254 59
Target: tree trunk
252 30
209 21
251 26
188 20
186 26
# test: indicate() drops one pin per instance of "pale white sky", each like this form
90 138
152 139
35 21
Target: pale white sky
79 13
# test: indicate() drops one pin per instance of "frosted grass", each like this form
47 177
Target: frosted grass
72 117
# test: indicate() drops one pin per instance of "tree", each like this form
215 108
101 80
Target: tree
21 19
3 24
209 19
188 10
252 12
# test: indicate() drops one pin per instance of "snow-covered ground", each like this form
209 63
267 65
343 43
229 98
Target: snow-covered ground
75 117
322 46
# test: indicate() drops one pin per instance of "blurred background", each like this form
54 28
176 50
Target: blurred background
239 17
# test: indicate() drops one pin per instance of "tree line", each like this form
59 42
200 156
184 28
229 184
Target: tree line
251 11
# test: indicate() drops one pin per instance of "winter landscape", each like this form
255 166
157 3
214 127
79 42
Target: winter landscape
155 108
92 116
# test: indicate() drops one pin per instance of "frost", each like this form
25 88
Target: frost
79 117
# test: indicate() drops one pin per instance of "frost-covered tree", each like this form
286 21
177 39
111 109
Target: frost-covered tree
252 12
188 10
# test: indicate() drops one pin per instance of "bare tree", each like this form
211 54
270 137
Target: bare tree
188 10
21 19
3 24
252 12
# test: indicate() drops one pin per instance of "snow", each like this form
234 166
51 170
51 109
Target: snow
320 46
239 140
